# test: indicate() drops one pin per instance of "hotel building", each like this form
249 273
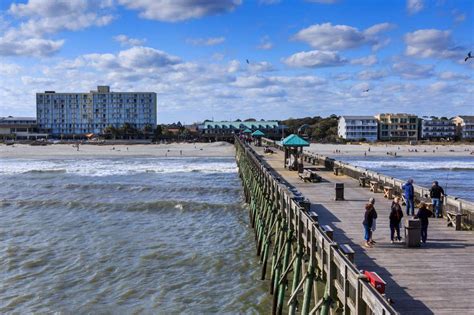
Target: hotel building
464 127
357 128
85 113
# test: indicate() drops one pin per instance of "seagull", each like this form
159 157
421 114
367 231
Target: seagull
468 56
248 62
366 90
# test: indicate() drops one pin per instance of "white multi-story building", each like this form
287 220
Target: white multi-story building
357 128
83 113
465 127
432 128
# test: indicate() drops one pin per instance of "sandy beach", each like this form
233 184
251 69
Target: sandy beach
400 150
216 149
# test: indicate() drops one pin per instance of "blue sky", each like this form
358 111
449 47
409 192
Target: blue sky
306 58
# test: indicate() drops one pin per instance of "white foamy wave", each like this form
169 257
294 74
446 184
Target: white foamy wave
106 167
416 165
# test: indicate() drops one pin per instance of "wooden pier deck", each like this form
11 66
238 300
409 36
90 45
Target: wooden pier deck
437 278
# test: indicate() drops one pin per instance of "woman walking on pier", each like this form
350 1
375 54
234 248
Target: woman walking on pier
423 214
369 222
396 216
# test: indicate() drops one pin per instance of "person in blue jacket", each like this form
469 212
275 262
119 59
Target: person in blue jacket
409 193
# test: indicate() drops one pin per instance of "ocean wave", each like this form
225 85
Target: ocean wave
109 167
151 206
150 188
417 165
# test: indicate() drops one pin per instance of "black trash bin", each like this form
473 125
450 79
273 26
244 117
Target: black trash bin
412 232
339 187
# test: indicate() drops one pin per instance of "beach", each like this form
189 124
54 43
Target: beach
53 151
380 149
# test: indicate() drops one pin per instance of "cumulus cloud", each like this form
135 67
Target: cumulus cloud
414 6
211 41
413 71
179 10
432 43
365 61
337 37
39 18
262 66
315 59
124 40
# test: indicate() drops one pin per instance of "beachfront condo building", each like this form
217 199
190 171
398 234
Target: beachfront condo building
357 128
437 129
464 127
397 127
91 113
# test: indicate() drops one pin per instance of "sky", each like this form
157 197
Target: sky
229 59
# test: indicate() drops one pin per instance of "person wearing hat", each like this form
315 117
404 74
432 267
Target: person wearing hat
369 223
423 214
436 195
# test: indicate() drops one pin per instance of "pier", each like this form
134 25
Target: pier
309 244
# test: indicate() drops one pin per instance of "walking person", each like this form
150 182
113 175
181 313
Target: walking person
369 223
409 193
396 215
423 214
436 195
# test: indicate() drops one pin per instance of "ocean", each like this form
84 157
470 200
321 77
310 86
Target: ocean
126 235
454 174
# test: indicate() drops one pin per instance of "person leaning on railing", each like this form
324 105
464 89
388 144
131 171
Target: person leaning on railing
436 195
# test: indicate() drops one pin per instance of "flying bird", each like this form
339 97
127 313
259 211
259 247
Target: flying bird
248 62
365 91
468 57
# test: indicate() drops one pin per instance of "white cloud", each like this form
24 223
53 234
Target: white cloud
234 66
179 10
337 37
124 40
9 68
414 6
39 18
449 75
315 59
211 41
365 61
265 43
372 75
432 43
413 71
262 66
458 16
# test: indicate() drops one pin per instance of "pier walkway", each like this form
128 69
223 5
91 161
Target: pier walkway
437 278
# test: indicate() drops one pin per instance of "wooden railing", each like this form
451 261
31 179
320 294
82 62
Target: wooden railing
323 275
450 203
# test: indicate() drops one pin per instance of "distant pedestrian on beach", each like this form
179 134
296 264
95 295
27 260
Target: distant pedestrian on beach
409 193
396 215
423 214
436 195
370 217
180 152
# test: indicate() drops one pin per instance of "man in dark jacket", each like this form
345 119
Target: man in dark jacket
436 193
395 217
369 222
423 214
409 193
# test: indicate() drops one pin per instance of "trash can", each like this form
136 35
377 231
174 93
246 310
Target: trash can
337 171
412 232
339 187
